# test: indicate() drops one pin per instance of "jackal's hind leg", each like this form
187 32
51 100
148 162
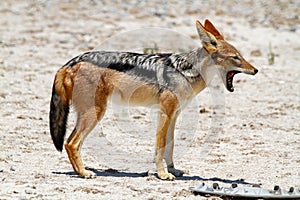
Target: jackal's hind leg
74 142
85 124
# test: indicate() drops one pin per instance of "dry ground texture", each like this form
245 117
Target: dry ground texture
249 136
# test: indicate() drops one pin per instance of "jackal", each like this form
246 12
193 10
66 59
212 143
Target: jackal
170 81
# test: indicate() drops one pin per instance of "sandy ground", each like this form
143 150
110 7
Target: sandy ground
249 136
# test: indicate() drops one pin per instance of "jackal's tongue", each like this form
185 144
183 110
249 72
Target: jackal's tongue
229 80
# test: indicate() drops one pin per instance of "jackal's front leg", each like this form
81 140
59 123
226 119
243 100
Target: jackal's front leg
168 105
169 149
161 135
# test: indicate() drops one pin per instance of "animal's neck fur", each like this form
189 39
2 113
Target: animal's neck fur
196 66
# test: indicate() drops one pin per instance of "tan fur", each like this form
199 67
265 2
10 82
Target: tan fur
198 86
129 91
64 84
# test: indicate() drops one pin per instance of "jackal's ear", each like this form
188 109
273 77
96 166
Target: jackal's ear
209 41
212 29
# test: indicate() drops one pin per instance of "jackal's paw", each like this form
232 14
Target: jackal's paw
175 172
88 174
166 176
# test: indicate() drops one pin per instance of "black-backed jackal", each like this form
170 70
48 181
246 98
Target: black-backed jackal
168 80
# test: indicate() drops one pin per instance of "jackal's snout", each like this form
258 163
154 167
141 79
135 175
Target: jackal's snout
248 68
253 71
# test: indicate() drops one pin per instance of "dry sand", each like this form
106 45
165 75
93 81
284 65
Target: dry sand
249 136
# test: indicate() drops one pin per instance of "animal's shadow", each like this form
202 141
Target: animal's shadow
116 173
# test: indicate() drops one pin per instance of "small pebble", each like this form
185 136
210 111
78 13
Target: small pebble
12 168
256 53
28 191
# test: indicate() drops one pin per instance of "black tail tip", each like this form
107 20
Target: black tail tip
57 143
59 148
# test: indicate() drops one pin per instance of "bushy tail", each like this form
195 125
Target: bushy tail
59 110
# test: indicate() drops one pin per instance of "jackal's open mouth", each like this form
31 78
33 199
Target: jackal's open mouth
229 80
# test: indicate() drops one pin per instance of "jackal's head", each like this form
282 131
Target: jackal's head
228 60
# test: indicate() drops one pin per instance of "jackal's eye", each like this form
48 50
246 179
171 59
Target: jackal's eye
235 58
214 43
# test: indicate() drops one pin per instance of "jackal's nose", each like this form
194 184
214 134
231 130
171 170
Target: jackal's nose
255 71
